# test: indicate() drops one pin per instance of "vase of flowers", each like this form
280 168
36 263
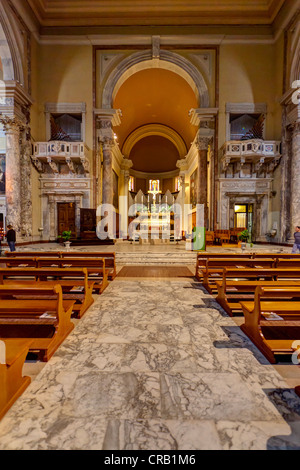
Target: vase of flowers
66 235
243 237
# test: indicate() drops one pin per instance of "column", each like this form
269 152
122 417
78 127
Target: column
107 176
12 128
124 197
295 172
26 190
105 120
204 119
202 146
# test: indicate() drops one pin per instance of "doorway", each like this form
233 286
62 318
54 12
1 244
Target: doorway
243 217
66 217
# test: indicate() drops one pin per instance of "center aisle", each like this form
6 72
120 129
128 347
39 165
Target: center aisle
155 365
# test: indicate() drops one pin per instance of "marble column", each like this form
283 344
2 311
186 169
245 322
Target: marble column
12 128
26 190
106 143
107 178
202 194
295 172
105 120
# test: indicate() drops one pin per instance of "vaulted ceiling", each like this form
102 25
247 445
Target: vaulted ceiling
71 13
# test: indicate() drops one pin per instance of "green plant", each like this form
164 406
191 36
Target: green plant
66 235
244 236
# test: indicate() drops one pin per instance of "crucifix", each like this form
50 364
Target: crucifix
154 190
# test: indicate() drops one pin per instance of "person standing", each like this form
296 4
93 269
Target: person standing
296 246
11 238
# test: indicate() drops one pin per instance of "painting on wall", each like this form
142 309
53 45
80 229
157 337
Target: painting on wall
193 188
2 173
115 190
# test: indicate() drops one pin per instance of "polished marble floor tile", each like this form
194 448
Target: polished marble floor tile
155 365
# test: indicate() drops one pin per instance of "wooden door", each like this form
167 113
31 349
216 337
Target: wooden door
66 217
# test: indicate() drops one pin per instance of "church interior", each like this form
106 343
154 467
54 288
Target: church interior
149 173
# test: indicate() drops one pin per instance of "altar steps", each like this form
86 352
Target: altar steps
156 259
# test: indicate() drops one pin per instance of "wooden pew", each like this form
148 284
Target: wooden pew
288 263
214 268
110 257
14 262
201 259
74 282
32 254
36 313
232 292
272 336
13 353
95 267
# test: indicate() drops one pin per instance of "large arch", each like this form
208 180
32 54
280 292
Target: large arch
154 129
11 46
143 60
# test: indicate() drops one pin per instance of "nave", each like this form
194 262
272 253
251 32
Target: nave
155 364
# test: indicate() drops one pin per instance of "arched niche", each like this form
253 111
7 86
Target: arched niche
154 129
143 60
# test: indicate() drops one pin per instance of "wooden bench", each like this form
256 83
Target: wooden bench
232 292
74 282
95 267
287 263
203 257
110 257
36 313
273 337
14 262
13 353
214 269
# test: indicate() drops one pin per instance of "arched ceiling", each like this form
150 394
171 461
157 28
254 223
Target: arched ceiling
154 154
155 96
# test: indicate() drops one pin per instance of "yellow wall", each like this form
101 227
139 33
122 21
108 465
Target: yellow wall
65 76
60 74
251 74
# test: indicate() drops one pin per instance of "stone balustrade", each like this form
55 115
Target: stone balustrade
54 153
251 151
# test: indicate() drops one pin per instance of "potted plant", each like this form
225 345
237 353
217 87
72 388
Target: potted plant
66 235
243 237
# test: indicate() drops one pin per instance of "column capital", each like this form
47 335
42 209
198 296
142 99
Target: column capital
11 124
126 164
203 142
182 164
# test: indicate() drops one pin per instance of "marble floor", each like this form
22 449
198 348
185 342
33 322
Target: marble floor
155 364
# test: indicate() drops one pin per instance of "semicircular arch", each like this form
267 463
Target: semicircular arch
157 130
143 60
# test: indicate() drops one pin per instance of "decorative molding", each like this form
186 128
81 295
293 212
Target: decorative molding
65 107
158 130
112 115
168 60
202 114
246 108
